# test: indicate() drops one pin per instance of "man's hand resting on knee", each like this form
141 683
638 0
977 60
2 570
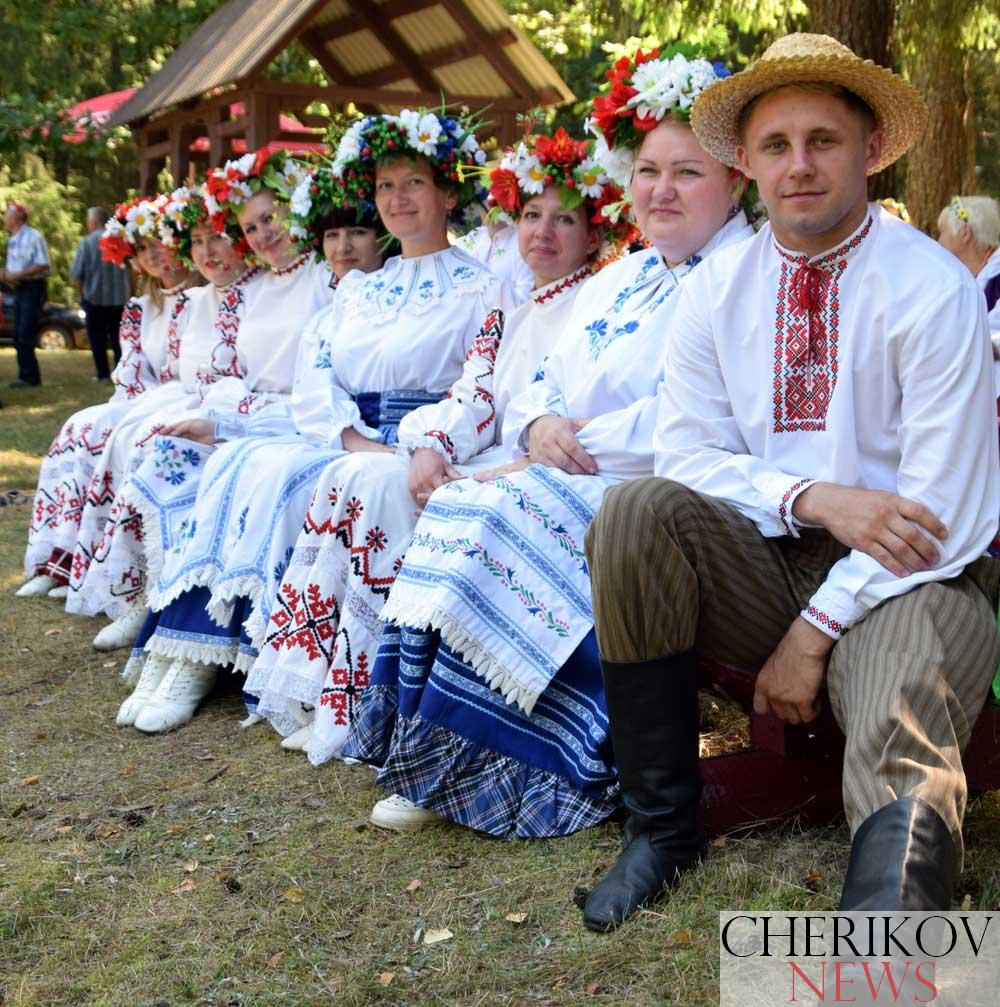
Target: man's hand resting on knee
788 685
889 528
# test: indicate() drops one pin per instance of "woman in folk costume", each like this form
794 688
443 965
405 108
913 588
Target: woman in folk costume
324 623
486 705
150 332
221 259
396 338
257 330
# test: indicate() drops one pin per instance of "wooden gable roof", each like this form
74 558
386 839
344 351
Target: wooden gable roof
379 53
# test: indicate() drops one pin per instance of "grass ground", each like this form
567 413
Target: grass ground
208 867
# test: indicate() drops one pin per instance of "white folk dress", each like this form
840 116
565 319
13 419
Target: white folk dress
150 338
358 529
256 335
499 568
392 340
495 739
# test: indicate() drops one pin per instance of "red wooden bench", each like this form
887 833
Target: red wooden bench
793 772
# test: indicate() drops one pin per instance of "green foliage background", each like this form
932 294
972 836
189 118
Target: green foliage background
53 54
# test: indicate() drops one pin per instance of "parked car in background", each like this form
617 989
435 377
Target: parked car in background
59 328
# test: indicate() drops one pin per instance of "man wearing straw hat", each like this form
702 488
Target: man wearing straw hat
827 481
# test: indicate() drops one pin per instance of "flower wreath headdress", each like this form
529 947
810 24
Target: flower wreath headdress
322 196
537 162
894 206
959 210
185 209
643 89
137 218
447 141
229 187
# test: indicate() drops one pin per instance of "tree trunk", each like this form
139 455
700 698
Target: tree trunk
864 26
937 165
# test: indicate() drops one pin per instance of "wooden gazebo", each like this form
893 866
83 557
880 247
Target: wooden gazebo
379 55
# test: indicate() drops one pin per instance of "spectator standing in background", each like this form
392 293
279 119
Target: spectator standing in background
27 269
104 288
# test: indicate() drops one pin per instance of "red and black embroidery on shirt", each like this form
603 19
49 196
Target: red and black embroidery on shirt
807 333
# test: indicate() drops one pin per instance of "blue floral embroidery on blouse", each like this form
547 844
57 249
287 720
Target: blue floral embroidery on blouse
323 361
461 273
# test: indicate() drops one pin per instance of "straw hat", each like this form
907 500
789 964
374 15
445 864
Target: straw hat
800 58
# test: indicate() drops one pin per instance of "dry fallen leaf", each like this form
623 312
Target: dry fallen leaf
719 843
683 939
53 632
295 895
187 885
273 961
436 936
812 881
109 664
64 829
385 978
966 903
29 781
176 830
40 735
208 838
593 988
191 866
414 886
516 917
126 770
107 831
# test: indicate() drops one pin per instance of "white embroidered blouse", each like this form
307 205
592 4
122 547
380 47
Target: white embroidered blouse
405 327
150 342
500 253
504 359
608 363
868 365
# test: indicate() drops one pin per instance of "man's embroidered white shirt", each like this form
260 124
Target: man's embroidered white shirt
868 366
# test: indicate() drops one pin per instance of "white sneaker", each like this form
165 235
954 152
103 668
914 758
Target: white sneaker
183 687
41 584
148 682
298 741
251 720
60 591
122 632
401 815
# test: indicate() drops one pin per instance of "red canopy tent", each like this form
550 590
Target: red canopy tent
98 111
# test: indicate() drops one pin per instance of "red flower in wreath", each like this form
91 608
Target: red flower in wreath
504 189
561 148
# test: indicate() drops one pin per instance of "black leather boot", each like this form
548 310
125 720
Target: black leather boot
653 710
902 857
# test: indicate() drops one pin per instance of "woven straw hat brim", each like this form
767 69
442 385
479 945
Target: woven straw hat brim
898 106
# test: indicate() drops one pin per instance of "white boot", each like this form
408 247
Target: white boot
145 688
401 815
60 591
178 696
298 741
122 632
41 584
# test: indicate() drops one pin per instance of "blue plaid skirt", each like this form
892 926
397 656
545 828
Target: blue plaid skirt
448 742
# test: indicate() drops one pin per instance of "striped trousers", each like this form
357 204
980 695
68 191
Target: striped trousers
673 569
